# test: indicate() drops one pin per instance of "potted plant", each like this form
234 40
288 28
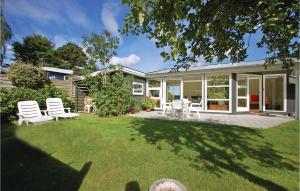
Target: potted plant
132 103
148 103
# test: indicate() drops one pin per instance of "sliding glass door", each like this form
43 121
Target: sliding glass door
274 92
192 89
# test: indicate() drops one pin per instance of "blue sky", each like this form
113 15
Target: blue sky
69 20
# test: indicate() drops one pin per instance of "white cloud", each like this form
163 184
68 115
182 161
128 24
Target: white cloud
32 11
131 59
60 12
76 15
59 40
109 13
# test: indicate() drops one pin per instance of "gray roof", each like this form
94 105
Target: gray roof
215 67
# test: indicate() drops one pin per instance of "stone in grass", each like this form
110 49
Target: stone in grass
167 185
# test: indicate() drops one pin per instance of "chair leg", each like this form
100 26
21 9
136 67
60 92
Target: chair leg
20 122
198 114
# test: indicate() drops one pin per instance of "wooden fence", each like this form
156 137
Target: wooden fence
4 82
66 85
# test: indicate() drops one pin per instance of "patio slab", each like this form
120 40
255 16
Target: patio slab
244 120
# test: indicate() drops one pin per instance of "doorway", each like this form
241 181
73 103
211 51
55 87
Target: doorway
255 93
249 92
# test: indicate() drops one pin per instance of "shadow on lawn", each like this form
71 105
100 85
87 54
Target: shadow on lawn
27 168
132 186
218 147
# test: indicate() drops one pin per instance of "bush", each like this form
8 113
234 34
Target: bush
10 97
148 103
27 76
114 97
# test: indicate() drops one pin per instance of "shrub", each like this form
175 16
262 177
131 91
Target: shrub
114 97
148 103
27 76
10 97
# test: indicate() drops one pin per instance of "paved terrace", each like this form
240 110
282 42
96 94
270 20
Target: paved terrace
245 120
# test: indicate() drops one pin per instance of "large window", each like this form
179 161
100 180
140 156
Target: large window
274 92
137 88
173 89
218 95
192 89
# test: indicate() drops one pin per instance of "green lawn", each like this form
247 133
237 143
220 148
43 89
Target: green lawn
125 153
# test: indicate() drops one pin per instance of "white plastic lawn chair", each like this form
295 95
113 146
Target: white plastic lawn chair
177 106
196 107
29 112
56 109
185 107
166 106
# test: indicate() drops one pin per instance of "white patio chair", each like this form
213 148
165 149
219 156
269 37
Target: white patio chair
56 109
166 106
186 104
29 112
177 106
196 107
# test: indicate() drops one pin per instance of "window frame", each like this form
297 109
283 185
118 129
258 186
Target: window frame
219 86
133 89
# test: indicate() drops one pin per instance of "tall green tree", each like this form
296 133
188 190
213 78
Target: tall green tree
6 33
101 48
37 50
72 55
216 29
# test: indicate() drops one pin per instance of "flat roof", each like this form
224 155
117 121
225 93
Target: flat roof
220 67
58 70
125 69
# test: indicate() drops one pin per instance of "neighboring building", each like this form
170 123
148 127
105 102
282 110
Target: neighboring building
58 73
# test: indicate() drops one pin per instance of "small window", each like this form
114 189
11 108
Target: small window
137 88
52 77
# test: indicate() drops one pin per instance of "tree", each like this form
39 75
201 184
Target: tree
114 97
27 76
38 50
72 54
101 48
216 29
6 34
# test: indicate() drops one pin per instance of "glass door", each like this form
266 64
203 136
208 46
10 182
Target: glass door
154 92
242 93
274 92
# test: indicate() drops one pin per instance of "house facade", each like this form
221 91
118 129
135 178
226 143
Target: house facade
230 88
58 73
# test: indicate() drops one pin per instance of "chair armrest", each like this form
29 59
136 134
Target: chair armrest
20 116
45 112
69 109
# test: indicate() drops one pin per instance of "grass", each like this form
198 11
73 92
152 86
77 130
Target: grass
125 153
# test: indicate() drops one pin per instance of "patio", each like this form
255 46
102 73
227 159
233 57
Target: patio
244 120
